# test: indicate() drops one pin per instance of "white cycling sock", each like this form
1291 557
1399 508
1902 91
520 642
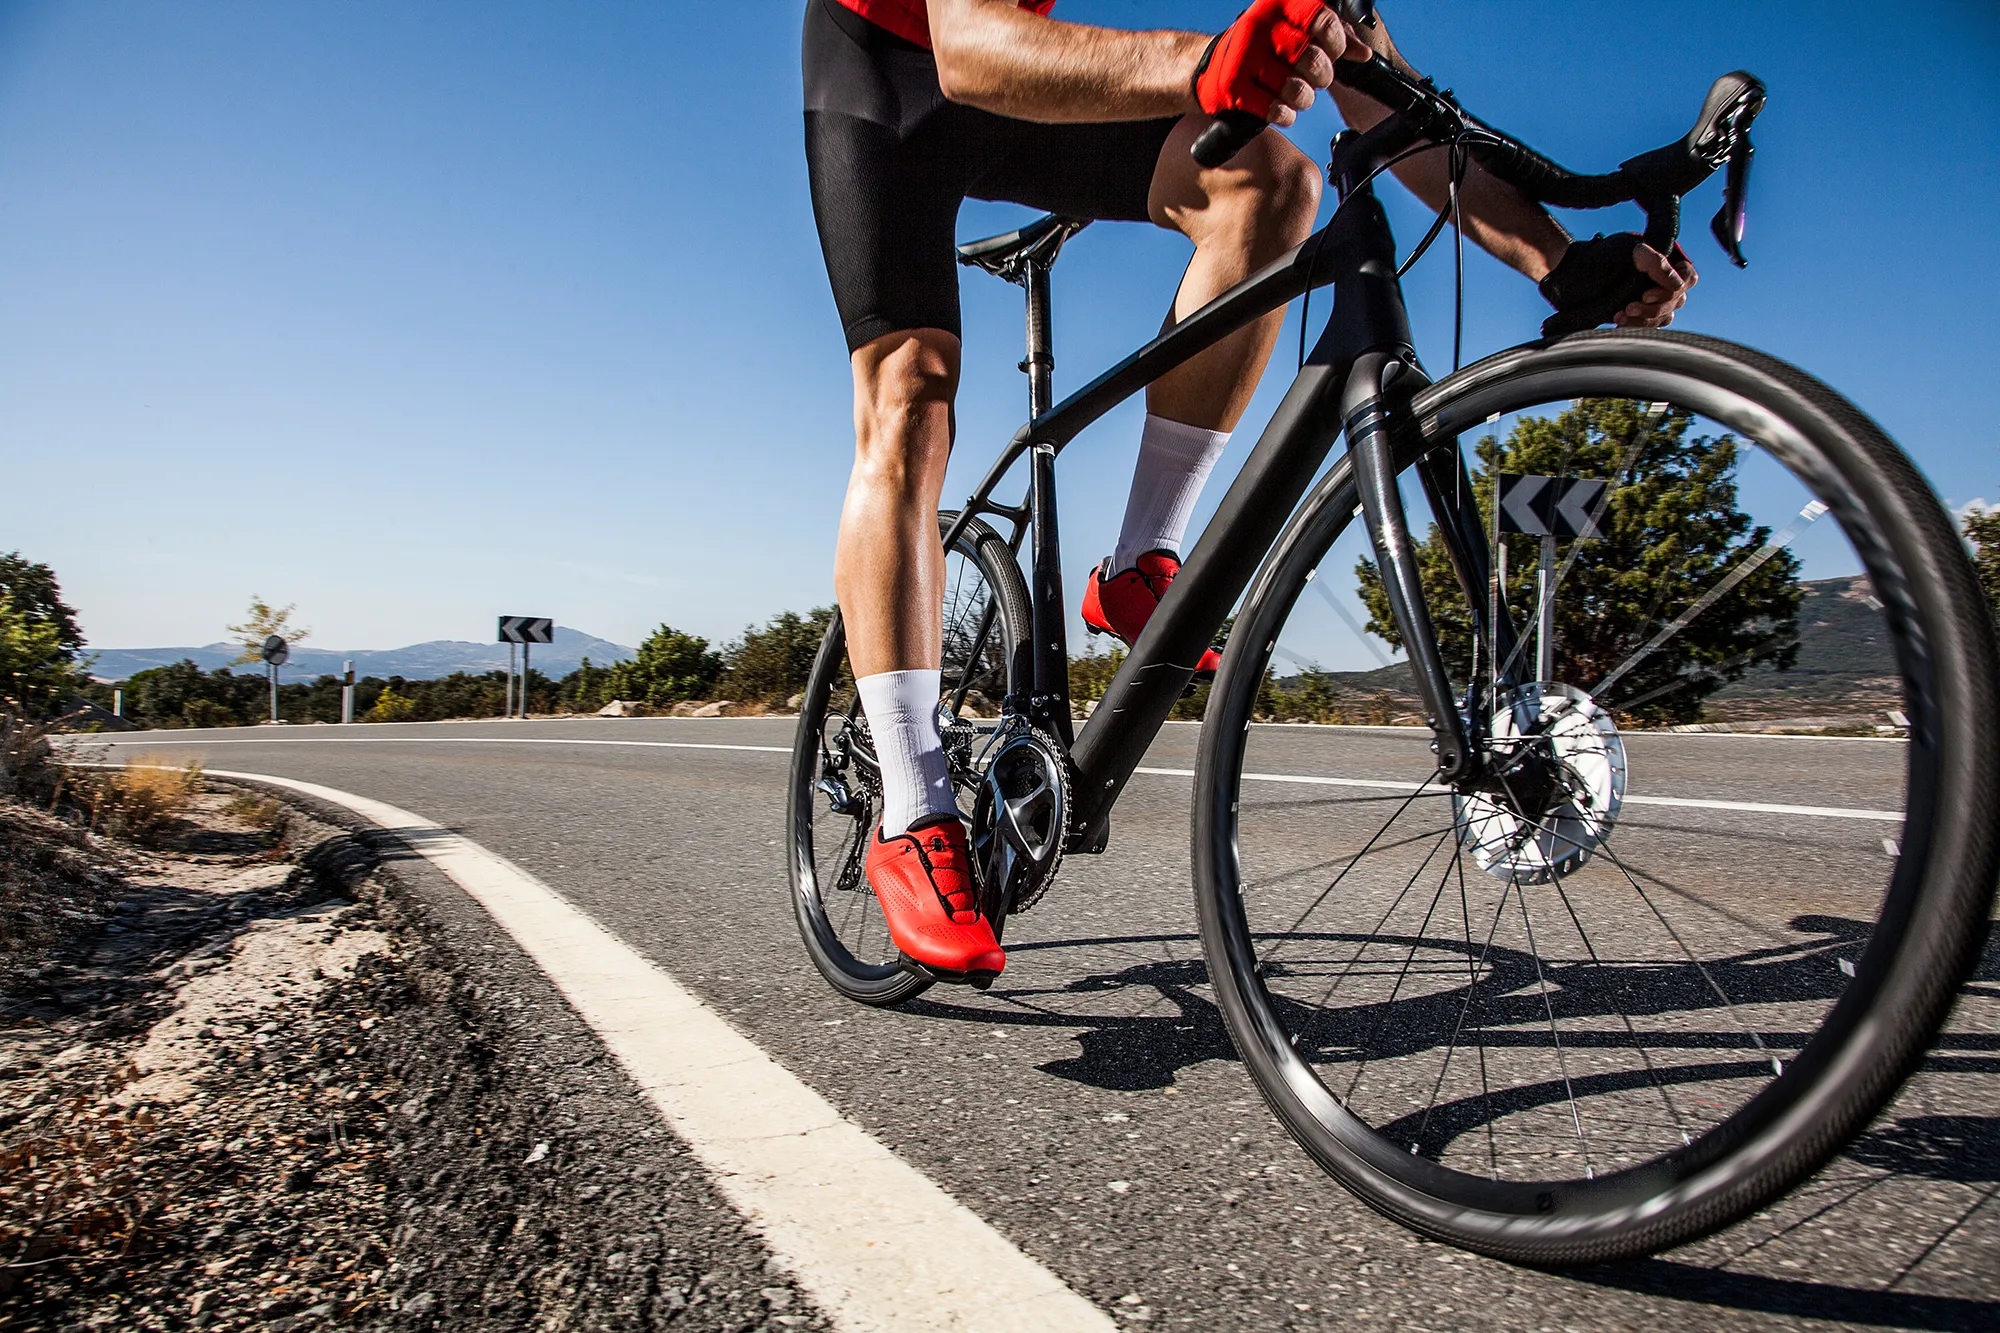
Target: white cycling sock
902 717
1174 463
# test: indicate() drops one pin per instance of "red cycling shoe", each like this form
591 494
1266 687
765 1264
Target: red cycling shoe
1121 604
923 879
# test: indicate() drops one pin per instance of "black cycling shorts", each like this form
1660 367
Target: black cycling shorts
891 160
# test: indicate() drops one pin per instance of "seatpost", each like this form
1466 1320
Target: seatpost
1049 706
1040 364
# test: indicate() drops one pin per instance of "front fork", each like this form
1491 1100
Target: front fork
1373 407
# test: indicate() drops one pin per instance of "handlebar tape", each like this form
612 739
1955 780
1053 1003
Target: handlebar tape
1229 135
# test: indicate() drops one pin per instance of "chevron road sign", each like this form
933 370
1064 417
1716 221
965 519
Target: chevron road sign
527 629
1550 506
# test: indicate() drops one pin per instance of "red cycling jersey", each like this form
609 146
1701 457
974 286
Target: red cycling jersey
911 21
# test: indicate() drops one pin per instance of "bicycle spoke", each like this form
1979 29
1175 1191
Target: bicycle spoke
1382 1015
1777 1065
1645 1055
1548 1006
1471 991
1352 862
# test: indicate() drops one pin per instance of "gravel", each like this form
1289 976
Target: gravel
266 1082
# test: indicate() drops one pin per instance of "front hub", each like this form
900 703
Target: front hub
1552 786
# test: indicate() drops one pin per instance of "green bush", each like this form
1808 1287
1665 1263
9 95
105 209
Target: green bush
770 665
669 668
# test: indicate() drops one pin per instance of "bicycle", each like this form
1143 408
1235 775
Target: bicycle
1505 983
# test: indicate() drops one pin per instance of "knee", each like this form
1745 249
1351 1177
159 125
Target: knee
1269 193
904 384
1279 189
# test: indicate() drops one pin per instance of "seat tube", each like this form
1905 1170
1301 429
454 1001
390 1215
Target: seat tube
1370 444
1049 706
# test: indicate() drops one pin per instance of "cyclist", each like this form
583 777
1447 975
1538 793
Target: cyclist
911 106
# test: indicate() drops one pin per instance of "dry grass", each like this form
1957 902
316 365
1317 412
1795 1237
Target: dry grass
264 813
143 801
74 1186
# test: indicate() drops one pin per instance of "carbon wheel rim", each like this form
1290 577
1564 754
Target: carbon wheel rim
1603 1166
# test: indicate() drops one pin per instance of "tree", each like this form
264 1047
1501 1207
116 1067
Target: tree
670 667
1982 529
262 623
772 663
35 670
1672 531
37 601
39 639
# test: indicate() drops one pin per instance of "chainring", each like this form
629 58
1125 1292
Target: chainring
1020 820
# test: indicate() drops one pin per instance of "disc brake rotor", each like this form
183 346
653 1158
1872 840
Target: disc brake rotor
1555 784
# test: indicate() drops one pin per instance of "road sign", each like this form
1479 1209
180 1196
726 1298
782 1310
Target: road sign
527 629
1550 506
275 650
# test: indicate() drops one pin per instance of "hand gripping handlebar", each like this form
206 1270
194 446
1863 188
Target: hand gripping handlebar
1233 130
1656 181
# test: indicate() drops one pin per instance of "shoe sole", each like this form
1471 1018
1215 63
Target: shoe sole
978 980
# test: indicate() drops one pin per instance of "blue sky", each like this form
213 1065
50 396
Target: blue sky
417 314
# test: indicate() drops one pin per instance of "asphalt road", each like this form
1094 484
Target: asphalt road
1090 1107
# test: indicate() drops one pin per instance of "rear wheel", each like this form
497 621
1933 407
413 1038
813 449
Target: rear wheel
834 794
1637 982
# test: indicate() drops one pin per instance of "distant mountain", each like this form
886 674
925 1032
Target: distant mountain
1846 665
419 661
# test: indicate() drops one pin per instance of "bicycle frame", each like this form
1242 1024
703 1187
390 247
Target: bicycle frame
1362 369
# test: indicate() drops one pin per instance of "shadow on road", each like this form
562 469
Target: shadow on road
1173 1026
1787 1296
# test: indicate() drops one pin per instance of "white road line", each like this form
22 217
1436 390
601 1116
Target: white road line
878 1244
1747 807
1751 807
440 740
1762 808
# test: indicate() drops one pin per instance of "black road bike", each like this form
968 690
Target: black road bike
1539 977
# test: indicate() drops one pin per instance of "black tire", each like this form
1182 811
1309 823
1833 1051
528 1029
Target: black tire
838 917
1774 1104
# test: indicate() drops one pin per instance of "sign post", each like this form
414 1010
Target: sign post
1548 507
274 652
523 630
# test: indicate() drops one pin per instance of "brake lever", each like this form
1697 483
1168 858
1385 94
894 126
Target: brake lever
1730 220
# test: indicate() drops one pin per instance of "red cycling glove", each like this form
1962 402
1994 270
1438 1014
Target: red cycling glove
1249 61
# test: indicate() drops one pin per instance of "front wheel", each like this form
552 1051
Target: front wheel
1640 978
833 800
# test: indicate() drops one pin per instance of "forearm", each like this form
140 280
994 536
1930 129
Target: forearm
996 56
1498 218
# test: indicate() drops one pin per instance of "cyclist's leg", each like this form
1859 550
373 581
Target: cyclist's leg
888 569
1240 217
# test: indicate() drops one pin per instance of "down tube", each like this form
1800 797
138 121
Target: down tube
1150 681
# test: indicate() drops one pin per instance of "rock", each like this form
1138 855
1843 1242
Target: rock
685 708
796 702
720 708
622 708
